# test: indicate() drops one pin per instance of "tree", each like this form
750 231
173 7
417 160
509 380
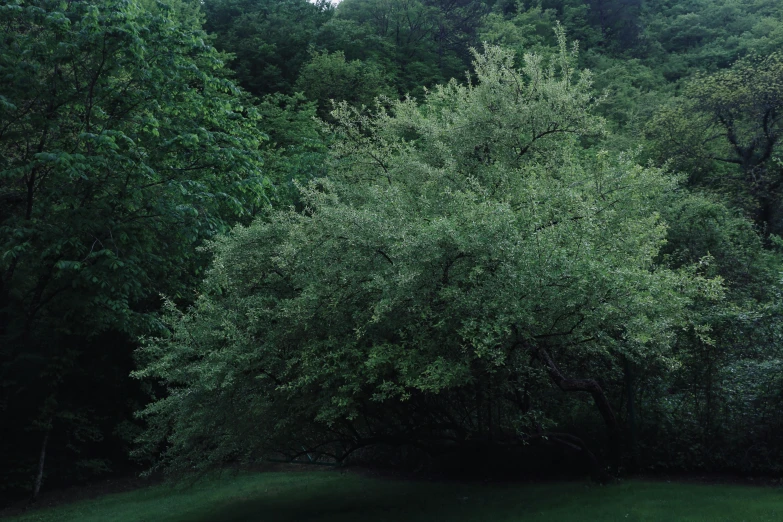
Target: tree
122 145
733 117
297 147
708 35
457 25
713 410
328 78
269 39
420 42
462 257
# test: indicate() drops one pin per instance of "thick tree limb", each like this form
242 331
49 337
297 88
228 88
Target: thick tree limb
592 387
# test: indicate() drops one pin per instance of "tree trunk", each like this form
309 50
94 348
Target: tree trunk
41 460
631 412
593 388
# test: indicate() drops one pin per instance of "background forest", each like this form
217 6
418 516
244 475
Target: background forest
543 236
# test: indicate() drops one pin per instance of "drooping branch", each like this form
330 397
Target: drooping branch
592 387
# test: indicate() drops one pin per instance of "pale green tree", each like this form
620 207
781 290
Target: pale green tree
463 256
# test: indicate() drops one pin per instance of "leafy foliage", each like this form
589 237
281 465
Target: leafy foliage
356 322
269 39
734 117
122 144
419 42
329 77
297 146
402 233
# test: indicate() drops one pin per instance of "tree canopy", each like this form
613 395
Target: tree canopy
462 254
122 144
733 117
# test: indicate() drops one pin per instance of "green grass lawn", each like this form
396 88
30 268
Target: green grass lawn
332 496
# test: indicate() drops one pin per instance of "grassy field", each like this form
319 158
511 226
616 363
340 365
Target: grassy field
332 496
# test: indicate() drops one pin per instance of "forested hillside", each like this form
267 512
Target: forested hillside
544 236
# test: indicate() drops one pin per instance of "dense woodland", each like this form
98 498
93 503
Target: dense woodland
538 236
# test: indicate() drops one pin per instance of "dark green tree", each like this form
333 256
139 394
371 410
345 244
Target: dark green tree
419 42
122 146
268 39
713 410
297 147
329 78
727 132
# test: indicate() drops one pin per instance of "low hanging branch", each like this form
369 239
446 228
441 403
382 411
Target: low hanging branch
592 387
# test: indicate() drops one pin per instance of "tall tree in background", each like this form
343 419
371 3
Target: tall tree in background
329 78
727 131
269 39
122 145
420 42
457 23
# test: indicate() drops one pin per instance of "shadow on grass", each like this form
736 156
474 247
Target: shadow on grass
352 498
349 498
